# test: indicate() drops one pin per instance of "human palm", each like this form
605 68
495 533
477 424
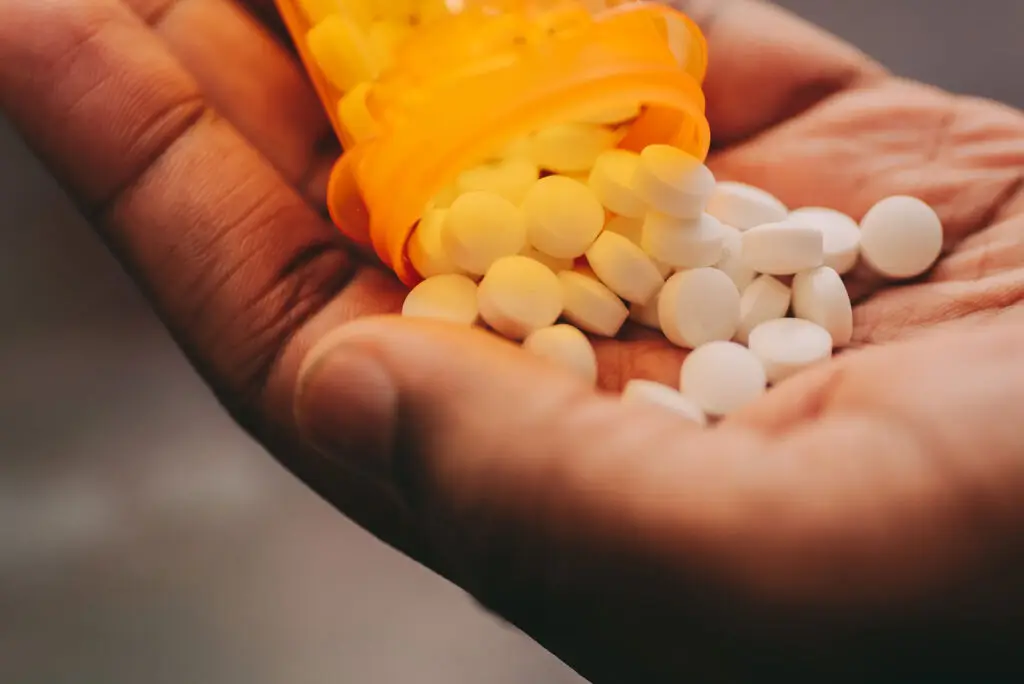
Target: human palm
852 524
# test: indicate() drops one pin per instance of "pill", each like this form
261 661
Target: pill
341 51
650 393
683 243
820 296
611 116
554 263
722 377
563 217
743 206
426 252
611 179
510 178
354 114
567 347
633 230
783 248
590 305
518 296
480 228
901 237
732 263
624 268
646 314
385 37
451 298
571 147
786 346
765 299
673 182
699 306
840 235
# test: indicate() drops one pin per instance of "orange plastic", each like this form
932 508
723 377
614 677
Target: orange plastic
471 76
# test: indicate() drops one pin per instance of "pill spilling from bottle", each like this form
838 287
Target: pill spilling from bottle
723 269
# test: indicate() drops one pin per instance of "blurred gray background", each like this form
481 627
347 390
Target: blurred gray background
144 539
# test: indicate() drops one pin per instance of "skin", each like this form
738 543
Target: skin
862 522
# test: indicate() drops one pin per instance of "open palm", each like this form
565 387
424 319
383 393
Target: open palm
821 532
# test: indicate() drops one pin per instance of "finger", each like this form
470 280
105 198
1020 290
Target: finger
628 541
252 80
767 65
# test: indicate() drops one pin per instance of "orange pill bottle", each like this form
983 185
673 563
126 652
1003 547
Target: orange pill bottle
418 91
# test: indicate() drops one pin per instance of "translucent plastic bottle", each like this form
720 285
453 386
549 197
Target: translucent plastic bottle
419 91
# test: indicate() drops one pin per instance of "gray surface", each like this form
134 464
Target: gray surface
143 538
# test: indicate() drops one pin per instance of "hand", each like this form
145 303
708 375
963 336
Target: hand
862 522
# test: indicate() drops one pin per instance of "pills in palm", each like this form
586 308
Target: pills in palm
574 237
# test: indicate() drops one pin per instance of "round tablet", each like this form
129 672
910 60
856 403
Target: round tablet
783 248
731 263
901 237
567 347
722 377
510 178
763 300
554 263
743 206
611 179
624 268
673 182
426 253
451 298
480 228
571 147
683 243
787 346
518 296
840 235
563 217
590 305
650 393
820 296
699 306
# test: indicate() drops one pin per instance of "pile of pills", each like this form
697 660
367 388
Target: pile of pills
545 252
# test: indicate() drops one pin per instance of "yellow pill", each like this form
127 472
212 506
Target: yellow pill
354 115
554 263
563 217
611 116
571 147
342 52
450 298
519 296
511 179
425 249
611 179
385 38
480 228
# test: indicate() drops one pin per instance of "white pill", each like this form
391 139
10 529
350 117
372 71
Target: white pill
699 306
732 263
901 237
480 228
624 268
554 263
633 230
683 243
673 182
764 299
449 297
840 235
787 346
650 393
567 347
783 248
518 296
571 147
511 179
722 377
743 206
425 249
820 296
563 217
590 305
646 314
611 179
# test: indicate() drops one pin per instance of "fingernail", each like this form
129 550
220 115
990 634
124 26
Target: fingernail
346 406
